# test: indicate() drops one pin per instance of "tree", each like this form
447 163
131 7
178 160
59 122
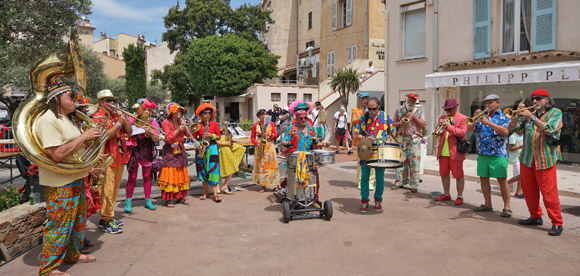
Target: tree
117 86
228 65
96 78
30 29
345 81
157 93
136 79
174 78
202 18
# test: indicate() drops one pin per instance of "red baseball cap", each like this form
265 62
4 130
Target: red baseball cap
413 96
540 92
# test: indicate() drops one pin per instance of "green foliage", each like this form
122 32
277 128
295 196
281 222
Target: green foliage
9 197
96 78
228 65
202 18
246 124
30 29
117 86
136 84
157 93
345 81
174 78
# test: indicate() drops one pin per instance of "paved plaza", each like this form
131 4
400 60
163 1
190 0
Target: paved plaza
245 235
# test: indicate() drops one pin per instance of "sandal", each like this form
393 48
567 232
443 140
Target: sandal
169 204
226 192
506 213
183 201
83 258
89 243
217 199
203 197
58 273
483 208
263 189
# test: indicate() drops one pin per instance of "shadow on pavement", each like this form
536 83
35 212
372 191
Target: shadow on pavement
351 206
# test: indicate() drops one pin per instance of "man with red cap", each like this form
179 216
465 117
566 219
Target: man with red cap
454 127
538 160
410 134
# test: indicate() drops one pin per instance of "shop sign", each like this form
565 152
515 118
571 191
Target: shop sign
506 75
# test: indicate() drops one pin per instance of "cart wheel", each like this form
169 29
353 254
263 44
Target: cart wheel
286 212
328 209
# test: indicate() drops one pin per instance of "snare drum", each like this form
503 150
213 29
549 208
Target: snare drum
324 157
291 159
386 156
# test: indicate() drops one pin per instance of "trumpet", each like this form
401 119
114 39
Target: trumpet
439 128
96 182
141 121
509 113
471 121
193 127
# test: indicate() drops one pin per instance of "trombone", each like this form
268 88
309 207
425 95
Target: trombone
471 121
439 128
141 121
509 113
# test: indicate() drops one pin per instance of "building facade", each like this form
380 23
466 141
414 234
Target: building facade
114 47
479 47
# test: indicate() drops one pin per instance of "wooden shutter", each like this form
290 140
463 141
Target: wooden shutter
334 10
481 28
544 25
348 12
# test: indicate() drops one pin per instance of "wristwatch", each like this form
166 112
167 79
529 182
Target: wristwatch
534 118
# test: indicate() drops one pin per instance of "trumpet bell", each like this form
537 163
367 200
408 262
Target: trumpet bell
195 127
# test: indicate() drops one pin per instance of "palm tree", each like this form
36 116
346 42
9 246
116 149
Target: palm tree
345 81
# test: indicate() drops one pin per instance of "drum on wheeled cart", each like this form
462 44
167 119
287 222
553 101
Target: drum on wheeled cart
301 201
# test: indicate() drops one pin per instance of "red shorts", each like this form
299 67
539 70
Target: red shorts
446 165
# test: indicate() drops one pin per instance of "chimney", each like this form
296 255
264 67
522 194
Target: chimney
103 35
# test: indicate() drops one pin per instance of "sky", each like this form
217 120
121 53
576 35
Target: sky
136 17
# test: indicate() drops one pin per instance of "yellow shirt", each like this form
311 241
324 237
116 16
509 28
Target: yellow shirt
54 132
445 150
355 115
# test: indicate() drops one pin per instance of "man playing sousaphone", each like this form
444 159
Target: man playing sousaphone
373 125
117 127
410 123
66 208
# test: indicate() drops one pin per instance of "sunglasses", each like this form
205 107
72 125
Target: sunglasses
448 109
537 98
373 109
206 112
72 95
302 118
110 100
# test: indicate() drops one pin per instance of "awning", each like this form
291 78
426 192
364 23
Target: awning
239 98
517 74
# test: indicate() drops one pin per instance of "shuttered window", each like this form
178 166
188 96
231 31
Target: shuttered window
348 12
330 63
481 28
334 19
544 25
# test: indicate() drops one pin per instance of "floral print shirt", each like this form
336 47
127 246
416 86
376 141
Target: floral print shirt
490 142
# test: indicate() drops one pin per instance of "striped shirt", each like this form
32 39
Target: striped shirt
536 149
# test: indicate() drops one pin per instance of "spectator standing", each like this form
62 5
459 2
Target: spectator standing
319 120
370 70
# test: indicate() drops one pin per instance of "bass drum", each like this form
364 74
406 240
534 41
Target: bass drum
386 156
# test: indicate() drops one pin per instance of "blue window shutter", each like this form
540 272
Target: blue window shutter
481 29
544 25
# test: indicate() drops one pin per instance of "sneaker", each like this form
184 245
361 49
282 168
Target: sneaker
443 197
101 224
365 206
459 201
117 222
112 228
531 221
378 206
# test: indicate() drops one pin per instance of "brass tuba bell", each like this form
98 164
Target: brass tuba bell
65 64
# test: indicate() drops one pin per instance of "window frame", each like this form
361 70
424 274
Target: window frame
334 15
329 65
273 94
309 20
404 15
351 53
517 26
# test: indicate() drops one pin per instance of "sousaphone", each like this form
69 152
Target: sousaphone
68 63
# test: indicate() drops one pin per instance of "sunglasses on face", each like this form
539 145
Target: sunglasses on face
373 109
206 113
537 98
301 118
448 109
110 100
72 95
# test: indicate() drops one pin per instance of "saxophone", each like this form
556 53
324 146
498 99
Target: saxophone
204 142
263 141
95 183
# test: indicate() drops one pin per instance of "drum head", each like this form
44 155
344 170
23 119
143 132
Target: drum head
364 149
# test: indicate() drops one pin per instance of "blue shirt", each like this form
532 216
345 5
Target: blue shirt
376 128
303 143
490 142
